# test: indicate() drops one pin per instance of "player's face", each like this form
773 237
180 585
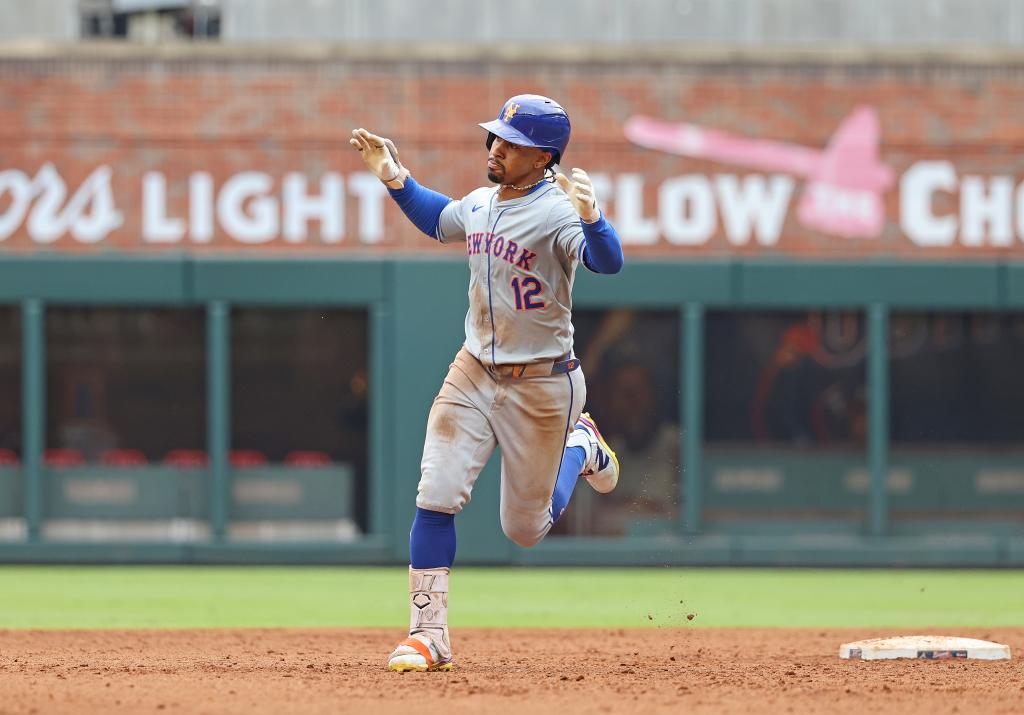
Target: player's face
509 163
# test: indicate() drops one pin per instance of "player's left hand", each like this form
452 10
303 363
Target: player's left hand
581 192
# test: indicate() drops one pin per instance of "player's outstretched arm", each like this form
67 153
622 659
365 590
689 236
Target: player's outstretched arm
602 250
421 205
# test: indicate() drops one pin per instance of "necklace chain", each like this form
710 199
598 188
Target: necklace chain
523 188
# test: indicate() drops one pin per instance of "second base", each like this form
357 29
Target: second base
924 647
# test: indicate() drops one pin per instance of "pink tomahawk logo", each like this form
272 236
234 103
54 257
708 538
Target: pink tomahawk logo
845 183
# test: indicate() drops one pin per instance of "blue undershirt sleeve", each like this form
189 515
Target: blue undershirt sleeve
421 205
602 249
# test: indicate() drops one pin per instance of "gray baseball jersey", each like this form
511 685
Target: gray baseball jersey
522 260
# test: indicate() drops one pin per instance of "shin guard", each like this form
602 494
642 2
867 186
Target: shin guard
428 646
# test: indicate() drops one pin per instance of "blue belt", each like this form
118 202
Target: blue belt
565 366
535 369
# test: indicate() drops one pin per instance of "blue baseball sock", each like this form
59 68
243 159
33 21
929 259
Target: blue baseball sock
432 540
568 474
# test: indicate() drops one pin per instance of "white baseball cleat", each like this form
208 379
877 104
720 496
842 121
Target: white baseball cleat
601 470
417 653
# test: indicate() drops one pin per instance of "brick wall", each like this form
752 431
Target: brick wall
938 124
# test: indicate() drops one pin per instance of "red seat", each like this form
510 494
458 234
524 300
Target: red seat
190 458
242 458
307 458
123 458
58 457
8 457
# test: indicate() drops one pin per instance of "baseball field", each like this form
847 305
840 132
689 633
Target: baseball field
269 640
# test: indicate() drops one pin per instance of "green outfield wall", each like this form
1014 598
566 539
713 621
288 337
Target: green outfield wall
739 506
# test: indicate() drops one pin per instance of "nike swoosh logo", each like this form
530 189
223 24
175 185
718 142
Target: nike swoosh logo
478 206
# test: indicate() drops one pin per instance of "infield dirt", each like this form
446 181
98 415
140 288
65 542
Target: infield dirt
668 670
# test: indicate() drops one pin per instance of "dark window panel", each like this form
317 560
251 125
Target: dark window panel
125 378
300 383
786 378
956 379
631 362
10 378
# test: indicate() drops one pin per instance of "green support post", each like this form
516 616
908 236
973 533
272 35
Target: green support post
878 417
692 442
33 413
218 412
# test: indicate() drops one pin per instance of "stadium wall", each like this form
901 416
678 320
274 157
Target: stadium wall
413 339
220 178
243 150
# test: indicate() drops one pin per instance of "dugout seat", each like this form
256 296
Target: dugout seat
244 458
187 458
307 458
123 458
63 457
9 458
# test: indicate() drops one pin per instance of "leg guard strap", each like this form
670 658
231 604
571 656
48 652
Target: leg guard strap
421 647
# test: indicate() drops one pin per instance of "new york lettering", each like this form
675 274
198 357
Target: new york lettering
509 251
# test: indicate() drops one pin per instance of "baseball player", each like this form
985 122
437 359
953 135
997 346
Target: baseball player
516 382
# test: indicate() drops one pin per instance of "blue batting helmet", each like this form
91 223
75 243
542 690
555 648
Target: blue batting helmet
531 120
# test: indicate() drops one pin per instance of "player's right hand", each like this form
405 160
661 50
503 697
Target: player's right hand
379 154
581 193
